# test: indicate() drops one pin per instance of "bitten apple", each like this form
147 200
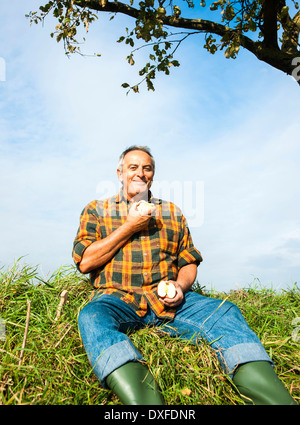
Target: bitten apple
166 289
144 207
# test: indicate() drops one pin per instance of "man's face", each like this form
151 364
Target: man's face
137 174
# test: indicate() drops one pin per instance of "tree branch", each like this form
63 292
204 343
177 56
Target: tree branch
200 25
269 28
266 50
106 6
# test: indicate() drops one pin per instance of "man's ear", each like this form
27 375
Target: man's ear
120 176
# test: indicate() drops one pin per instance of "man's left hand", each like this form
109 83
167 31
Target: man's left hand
177 300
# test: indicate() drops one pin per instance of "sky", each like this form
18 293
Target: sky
224 134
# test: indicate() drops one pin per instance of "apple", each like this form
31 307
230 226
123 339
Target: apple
161 11
144 207
166 289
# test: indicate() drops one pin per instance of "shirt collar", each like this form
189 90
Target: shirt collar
120 197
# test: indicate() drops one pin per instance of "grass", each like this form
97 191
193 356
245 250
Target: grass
54 369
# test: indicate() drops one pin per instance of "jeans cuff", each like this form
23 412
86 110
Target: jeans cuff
243 353
113 358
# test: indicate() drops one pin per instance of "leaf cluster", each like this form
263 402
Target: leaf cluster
149 28
253 24
247 16
69 17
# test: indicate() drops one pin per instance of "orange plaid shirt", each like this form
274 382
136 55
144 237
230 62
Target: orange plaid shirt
149 256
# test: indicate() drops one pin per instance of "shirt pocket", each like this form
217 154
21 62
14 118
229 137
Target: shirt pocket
168 241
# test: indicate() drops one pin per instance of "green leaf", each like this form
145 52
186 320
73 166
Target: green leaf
150 85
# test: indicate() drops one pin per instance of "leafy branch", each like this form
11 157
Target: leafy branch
266 28
161 60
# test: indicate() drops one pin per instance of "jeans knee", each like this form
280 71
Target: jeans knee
232 308
84 316
231 312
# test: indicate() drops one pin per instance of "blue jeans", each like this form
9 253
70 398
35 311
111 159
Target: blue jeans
103 324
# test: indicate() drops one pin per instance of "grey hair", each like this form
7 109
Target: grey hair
135 148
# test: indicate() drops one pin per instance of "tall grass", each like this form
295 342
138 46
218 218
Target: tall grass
54 368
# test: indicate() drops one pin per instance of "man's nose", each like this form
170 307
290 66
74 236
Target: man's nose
140 172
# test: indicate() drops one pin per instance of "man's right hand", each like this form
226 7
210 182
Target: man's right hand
101 251
136 220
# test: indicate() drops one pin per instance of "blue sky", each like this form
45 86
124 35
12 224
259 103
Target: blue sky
225 135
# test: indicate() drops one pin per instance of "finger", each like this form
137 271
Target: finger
171 302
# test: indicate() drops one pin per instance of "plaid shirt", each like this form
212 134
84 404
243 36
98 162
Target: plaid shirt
149 256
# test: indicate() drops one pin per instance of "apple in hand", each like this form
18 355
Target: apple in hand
166 289
145 207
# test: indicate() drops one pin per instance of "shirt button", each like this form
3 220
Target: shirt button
145 274
145 253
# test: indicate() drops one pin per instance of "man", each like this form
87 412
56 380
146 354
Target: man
127 254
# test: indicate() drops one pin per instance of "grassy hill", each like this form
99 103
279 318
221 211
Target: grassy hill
52 368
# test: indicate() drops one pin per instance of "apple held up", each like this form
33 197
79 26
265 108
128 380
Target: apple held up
145 208
166 289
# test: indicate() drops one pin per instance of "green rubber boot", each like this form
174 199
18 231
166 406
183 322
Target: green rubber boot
134 384
258 382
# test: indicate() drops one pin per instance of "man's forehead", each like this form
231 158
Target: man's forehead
137 157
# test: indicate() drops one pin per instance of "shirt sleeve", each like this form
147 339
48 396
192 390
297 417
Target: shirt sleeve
187 252
88 232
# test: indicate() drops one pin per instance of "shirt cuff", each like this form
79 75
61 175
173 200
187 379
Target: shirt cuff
188 256
78 250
